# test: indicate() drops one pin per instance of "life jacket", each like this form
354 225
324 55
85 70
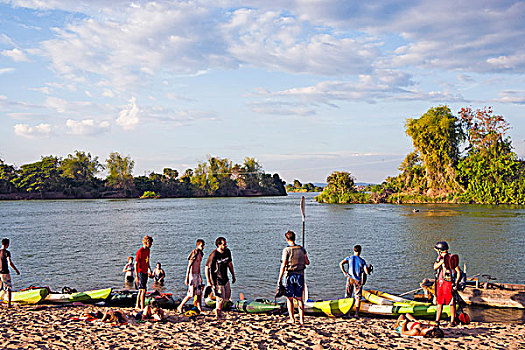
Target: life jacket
447 268
297 262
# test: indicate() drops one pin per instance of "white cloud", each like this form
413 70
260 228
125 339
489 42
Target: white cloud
16 55
6 70
87 127
509 96
128 118
41 130
58 104
108 93
62 106
43 89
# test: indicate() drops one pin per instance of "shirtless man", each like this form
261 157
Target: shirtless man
5 260
193 276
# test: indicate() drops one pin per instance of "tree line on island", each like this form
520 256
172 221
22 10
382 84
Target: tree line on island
456 159
76 177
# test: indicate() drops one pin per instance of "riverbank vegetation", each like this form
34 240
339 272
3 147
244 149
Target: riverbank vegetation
299 187
76 177
466 158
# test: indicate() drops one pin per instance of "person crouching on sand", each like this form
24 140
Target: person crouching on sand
143 270
193 276
294 261
407 325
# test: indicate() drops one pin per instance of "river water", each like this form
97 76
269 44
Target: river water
84 243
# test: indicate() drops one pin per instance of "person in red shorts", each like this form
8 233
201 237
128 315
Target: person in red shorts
143 270
445 274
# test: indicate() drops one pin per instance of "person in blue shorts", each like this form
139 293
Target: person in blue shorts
294 261
354 282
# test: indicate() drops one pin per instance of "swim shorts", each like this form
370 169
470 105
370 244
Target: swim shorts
223 292
195 285
143 280
294 284
6 282
444 292
353 288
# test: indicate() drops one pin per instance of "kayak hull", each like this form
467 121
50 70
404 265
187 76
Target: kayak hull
129 299
259 306
382 298
30 296
210 302
340 307
87 296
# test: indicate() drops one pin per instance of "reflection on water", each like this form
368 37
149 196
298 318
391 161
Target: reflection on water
84 244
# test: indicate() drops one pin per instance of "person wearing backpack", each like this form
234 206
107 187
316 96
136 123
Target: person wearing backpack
447 278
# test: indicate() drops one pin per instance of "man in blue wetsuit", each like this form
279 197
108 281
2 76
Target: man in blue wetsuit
354 283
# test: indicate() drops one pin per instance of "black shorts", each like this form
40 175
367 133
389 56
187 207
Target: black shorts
143 280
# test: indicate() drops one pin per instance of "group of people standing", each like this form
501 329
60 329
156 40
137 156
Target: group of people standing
217 266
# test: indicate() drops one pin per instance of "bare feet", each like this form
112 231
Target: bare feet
290 321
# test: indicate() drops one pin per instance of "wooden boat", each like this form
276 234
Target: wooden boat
488 293
340 307
87 296
29 296
259 306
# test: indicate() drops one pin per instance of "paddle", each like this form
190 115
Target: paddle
303 214
303 207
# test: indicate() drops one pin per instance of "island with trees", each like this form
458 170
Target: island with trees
76 177
456 159
299 187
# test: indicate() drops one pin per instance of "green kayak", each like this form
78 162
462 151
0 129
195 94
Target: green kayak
340 307
210 302
87 296
259 306
30 296
128 298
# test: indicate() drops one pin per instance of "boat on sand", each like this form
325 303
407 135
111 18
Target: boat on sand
85 297
488 293
28 296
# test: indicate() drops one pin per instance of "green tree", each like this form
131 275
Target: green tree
80 167
120 172
491 172
7 178
41 177
436 137
339 188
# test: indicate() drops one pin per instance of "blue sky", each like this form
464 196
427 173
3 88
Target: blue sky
305 87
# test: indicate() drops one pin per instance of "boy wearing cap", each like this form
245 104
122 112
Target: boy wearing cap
444 281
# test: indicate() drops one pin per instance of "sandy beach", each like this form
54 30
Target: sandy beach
54 328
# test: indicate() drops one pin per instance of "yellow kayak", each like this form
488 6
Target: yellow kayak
382 298
30 296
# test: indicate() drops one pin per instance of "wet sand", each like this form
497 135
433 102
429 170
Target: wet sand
53 328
